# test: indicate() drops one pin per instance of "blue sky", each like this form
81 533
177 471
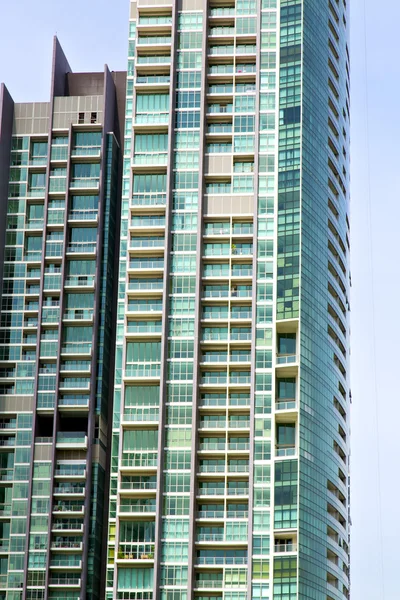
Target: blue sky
94 32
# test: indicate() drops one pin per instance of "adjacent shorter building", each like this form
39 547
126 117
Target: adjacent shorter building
60 164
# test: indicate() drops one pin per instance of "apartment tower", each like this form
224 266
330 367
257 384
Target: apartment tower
230 456
59 191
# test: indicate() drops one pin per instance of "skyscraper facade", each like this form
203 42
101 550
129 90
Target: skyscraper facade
59 202
230 457
174 426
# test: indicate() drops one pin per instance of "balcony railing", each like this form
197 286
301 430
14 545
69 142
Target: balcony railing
286 359
65 581
73 402
154 60
217 31
211 583
285 450
150 158
136 415
142 371
83 215
73 438
210 537
66 545
147 243
147 327
152 119
151 40
222 11
153 79
82 348
79 314
82 248
285 547
213 424
285 404
221 560
84 183
137 508
147 307
149 199
149 459
86 151
79 280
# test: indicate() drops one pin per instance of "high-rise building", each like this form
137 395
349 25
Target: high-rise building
59 202
229 466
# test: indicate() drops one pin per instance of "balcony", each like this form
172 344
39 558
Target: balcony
149 222
211 379
151 119
287 365
74 440
132 551
79 314
81 248
285 547
144 307
86 151
210 584
140 416
65 582
69 526
79 281
239 446
83 215
221 129
55 217
148 200
210 537
73 404
211 514
5 510
150 328
155 41
237 336
37 193
238 424
65 563
35 224
141 508
241 315
70 471
222 31
84 183
66 544
148 460
82 349
155 81
150 242
211 424
70 508
69 489
214 358
153 59
212 447
149 160
221 560
138 485
143 371
155 20
242 229
215 315
285 450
